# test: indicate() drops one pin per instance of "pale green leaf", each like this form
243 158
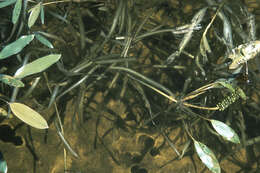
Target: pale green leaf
9 80
241 93
16 46
225 131
35 11
16 11
227 85
6 3
43 40
28 115
207 157
3 164
37 66
42 14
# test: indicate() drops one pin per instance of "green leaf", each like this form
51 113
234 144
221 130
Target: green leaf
16 46
7 3
35 11
28 115
9 80
207 157
44 41
42 14
16 11
3 164
3 112
227 85
241 93
225 131
37 66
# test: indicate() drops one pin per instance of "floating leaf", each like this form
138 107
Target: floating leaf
37 66
28 115
207 157
35 11
43 40
16 46
9 80
42 14
3 164
16 11
225 131
6 3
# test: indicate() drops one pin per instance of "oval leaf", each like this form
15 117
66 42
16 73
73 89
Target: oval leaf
6 3
225 131
28 115
35 11
9 80
16 11
37 66
207 157
16 46
44 41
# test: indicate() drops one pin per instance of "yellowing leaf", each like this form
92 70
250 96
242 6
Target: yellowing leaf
28 115
207 157
9 80
225 131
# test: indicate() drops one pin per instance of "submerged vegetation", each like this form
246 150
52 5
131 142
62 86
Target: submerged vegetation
170 73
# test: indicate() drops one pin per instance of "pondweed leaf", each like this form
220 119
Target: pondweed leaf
37 66
16 46
227 85
207 157
3 164
16 11
42 14
241 93
43 40
225 131
28 115
3 112
6 3
35 11
9 80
